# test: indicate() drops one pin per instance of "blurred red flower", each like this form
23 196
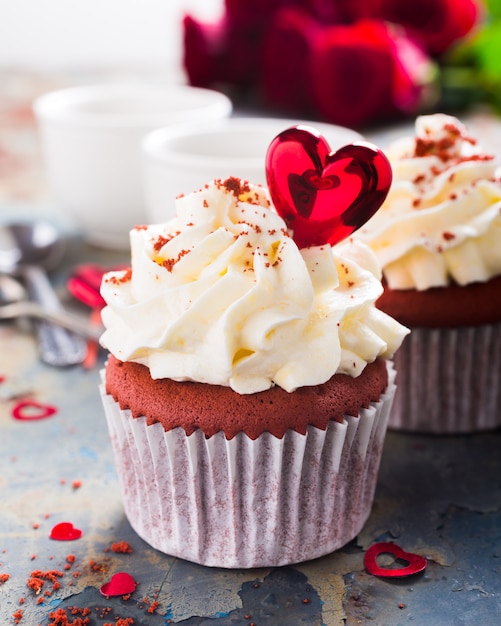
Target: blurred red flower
349 62
436 24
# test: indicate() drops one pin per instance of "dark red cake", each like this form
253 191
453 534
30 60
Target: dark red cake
213 408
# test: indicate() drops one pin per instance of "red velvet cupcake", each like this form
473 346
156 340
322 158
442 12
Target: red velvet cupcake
437 237
249 384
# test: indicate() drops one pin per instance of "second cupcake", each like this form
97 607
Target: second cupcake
438 239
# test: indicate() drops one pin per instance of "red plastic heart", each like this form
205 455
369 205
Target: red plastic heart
120 584
415 562
324 196
65 531
29 410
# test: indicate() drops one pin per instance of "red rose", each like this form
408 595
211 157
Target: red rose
220 53
201 51
252 11
357 75
436 24
285 61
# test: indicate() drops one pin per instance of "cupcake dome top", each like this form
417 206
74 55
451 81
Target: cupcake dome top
441 221
223 295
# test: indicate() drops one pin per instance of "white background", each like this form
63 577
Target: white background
90 34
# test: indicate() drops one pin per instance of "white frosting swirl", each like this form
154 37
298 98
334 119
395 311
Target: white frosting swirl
222 295
441 221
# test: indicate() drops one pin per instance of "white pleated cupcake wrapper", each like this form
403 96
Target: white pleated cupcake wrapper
244 503
449 380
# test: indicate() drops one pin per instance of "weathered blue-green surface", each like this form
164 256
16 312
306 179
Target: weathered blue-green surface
438 496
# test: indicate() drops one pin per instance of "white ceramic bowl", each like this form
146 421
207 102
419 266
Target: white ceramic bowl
91 139
179 160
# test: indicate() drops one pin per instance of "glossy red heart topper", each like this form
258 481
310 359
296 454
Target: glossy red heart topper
324 196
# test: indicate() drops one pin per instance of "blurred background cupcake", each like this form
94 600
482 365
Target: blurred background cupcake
438 239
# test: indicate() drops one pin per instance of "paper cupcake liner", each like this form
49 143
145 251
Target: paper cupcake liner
449 380
249 503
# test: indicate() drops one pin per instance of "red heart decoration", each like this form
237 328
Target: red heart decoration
32 410
120 585
65 531
416 563
324 196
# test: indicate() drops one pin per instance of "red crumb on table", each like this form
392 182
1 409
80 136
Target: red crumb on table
59 617
76 484
153 607
121 547
17 616
38 578
4 578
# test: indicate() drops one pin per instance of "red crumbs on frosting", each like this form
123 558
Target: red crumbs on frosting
169 263
161 240
118 280
236 186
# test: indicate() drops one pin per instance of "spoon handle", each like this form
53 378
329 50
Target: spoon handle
57 346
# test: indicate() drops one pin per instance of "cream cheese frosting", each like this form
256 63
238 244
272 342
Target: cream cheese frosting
222 295
441 221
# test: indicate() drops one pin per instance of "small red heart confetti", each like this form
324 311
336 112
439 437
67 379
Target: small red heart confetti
324 196
415 562
120 584
29 410
65 531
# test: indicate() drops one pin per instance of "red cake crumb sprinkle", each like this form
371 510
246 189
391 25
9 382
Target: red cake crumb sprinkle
235 186
448 236
170 263
118 280
4 578
59 617
17 616
153 607
76 484
38 578
121 547
161 240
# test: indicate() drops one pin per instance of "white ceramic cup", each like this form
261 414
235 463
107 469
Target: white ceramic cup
91 137
182 159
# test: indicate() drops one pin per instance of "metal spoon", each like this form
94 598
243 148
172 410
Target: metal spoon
14 304
27 248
